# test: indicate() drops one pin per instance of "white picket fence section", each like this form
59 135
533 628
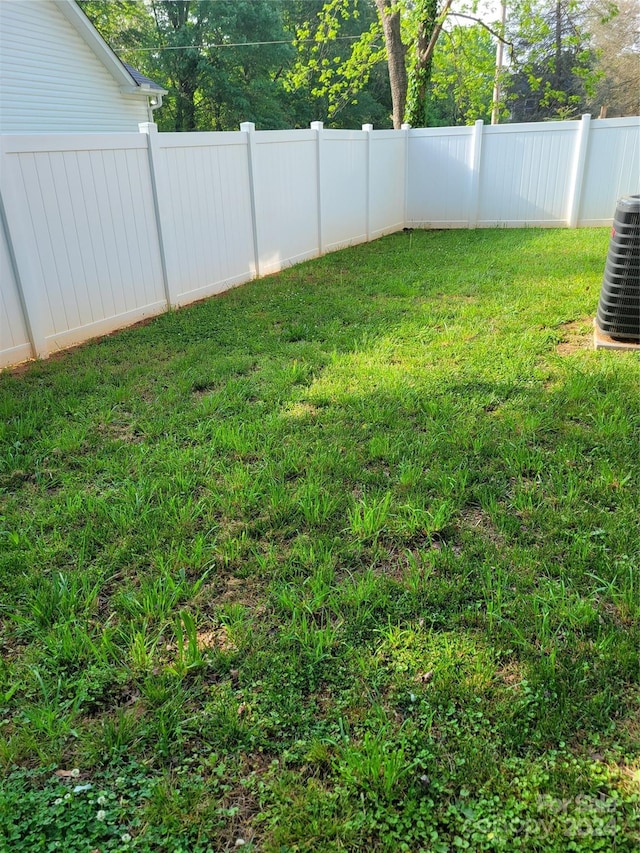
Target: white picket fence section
98 231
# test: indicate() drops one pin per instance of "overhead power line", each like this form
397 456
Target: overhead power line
231 44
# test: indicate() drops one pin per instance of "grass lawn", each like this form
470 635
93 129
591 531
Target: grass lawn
345 559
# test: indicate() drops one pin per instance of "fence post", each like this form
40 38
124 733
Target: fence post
161 205
368 128
249 128
318 126
476 159
577 172
21 253
405 128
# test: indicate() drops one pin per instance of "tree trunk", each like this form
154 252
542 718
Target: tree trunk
390 18
185 106
420 75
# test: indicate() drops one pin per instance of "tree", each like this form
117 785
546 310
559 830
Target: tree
244 79
221 62
338 72
553 73
275 62
123 23
412 30
462 76
430 19
390 17
616 39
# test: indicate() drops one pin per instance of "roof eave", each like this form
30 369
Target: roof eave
141 91
83 26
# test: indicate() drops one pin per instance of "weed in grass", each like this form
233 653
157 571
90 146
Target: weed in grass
375 766
368 518
418 571
48 722
168 730
409 473
188 655
317 504
156 596
493 580
226 722
237 621
69 647
117 736
621 592
430 522
314 642
360 598
62 597
141 651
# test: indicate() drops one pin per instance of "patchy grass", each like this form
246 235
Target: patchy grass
345 559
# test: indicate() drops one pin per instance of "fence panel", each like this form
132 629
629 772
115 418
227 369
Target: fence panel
208 231
387 182
286 197
105 229
86 214
439 189
612 168
525 174
344 188
14 339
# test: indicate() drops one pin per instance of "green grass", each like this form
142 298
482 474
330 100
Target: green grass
345 559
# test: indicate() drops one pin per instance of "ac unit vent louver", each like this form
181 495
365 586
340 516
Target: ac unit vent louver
619 306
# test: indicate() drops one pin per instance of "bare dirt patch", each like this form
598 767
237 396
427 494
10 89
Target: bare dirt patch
301 410
478 521
511 674
576 335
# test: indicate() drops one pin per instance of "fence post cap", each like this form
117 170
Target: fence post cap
367 127
148 127
405 126
247 126
317 125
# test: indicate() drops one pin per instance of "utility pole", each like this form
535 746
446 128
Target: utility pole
495 111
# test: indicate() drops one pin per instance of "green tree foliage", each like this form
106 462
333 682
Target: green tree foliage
122 23
416 48
429 16
553 74
274 62
338 74
284 63
616 37
223 62
461 87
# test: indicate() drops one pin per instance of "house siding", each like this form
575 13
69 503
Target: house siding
50 79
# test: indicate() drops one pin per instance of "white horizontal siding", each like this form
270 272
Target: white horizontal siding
50 79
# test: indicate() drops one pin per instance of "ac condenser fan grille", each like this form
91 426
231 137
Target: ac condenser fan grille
619 306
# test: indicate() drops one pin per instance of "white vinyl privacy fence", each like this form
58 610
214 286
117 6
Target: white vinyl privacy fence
98 231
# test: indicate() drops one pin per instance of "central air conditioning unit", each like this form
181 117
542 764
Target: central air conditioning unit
618 316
